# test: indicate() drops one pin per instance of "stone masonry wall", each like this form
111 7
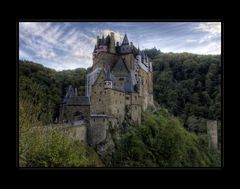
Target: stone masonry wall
97 130
212 132
103 58
69 111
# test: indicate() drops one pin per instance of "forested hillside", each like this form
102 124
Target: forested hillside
187 87
161 141
41 145
45 88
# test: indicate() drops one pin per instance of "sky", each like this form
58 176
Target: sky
69 45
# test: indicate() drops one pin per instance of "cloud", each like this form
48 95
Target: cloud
55 45
118 36
60 45
210 27
24 55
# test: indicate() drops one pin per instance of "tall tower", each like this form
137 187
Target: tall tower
112 48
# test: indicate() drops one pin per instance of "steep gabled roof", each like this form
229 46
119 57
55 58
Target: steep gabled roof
119 67
130 85
94 73
125 40
70 93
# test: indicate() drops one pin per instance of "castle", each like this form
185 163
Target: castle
119 86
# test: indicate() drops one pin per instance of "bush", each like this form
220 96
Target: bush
51 147
46 146
162 142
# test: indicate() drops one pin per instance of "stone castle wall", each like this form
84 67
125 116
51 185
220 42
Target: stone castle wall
77 132
97 130
70 110
213 133
102 58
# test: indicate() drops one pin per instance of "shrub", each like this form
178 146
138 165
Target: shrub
161 141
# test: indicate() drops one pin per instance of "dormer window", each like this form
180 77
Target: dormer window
108 84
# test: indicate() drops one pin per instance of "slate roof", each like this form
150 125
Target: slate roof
129 86
125 40
108 75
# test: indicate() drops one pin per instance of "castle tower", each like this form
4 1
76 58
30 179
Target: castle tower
212 132
112 48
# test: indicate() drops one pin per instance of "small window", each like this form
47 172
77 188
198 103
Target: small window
103 119
127 98
99 99
121 79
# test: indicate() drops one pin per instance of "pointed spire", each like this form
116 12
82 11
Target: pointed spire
125 40
143 55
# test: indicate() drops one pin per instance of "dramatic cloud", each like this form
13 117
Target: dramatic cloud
60 45
57 45
211 27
